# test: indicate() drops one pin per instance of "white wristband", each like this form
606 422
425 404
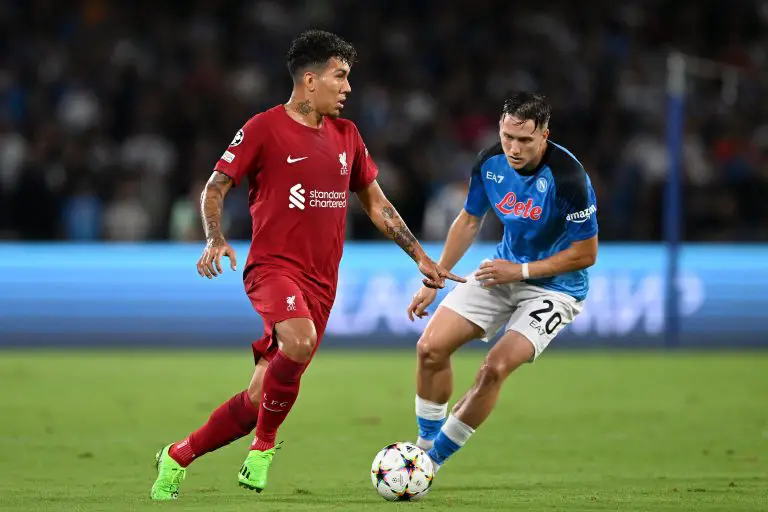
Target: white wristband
526 275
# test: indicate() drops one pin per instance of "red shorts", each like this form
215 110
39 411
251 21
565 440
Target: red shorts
276 298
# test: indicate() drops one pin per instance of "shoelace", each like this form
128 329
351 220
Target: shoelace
179 475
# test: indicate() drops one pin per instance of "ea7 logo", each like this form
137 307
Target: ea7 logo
497 178
582 216
296 197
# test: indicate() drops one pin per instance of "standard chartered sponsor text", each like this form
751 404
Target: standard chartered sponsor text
327 199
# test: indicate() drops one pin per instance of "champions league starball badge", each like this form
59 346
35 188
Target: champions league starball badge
238 138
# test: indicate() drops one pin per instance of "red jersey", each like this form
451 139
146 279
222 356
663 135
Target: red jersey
299 183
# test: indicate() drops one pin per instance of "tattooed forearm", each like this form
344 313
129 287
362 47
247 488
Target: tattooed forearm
211 202
396 229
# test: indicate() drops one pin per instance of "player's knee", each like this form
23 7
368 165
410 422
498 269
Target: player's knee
493 372
255 386
300 347
306 346
254 395
430 354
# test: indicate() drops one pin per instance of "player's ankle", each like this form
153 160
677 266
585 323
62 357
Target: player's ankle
182 453
425 444
262 445
435 466
434 457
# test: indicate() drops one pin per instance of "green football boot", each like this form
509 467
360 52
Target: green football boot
169 476
253 473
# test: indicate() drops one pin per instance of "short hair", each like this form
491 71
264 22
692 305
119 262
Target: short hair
314 48
528 105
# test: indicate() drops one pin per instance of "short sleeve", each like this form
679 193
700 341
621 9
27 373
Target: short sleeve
577 204
477 203
240 158
364 169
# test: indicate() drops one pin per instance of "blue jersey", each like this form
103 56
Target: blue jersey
542 211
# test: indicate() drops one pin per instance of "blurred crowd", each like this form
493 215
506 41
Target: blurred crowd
114 113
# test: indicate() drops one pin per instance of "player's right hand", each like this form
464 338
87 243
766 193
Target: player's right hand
209 264
421 301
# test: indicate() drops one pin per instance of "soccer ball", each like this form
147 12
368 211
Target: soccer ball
402 472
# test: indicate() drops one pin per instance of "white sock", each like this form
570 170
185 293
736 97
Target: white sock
430 416
430 410
457 431
452 437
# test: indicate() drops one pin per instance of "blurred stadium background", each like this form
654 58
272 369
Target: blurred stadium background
112 115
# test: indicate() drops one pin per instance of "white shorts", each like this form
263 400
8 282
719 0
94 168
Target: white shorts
536 313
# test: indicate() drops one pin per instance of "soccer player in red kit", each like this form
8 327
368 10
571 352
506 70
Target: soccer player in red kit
301 161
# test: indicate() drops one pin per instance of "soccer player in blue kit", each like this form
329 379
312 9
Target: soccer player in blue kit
534 286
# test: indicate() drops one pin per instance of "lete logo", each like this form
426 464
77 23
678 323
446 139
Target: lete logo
526 210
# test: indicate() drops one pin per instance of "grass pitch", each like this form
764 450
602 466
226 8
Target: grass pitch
575 431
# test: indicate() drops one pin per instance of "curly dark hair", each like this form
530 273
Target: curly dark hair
314 48
528 105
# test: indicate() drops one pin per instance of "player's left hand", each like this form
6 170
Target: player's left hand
435 275
499 271
209 264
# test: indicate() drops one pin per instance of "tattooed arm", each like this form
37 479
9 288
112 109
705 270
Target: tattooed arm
389 222
211 202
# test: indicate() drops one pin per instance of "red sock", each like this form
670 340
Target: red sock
233 419
280 389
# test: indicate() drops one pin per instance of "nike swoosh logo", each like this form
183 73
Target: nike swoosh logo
268 408
294 160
